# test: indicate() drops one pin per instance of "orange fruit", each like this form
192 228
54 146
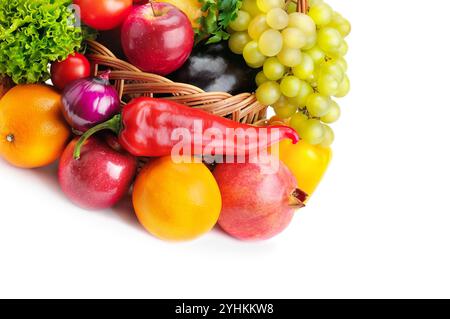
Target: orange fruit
33 132
176 201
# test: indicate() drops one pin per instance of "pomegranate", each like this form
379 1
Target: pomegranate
258 201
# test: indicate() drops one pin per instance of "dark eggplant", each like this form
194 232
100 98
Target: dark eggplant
111 40
214 68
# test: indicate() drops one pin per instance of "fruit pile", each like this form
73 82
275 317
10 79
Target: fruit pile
302 56
185 171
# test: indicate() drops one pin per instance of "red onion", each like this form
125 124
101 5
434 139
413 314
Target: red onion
90 101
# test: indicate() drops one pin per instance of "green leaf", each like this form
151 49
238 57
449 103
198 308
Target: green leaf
220 13
34 33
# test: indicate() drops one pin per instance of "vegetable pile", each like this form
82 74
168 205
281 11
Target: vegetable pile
34 33
187 170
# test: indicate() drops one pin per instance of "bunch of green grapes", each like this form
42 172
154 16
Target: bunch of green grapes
302 61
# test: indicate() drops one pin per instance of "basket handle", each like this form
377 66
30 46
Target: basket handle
302 6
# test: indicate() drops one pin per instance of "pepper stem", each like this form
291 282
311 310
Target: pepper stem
114 124
287 132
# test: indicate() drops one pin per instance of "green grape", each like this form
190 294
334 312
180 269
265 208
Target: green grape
311 42
297 121
305 70
277 19
268 93
341 24
255 65
316 74
270 42
251 7
290 57
283 109
241 22
344 87
302 22
267 5
312 131
339 52
257 26
328 136
273 69
343 49
333 114
293 38
260 78
329 39
321 14
318 105
238 41
333 69
252 55
316 54
292 7
342 63
305 91
327 85
290 86
314 2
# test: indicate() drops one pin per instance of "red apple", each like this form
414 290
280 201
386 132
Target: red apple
258 202
157 37
100 178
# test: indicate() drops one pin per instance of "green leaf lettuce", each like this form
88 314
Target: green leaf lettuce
34 33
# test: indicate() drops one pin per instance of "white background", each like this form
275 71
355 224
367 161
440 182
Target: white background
379 225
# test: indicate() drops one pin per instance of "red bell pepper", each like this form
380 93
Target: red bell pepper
147 127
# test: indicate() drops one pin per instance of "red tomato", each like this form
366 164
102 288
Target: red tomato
75 67
104 14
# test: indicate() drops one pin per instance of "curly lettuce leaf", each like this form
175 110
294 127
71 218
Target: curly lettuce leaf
34 33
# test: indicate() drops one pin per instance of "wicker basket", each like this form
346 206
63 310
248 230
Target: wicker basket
131 82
